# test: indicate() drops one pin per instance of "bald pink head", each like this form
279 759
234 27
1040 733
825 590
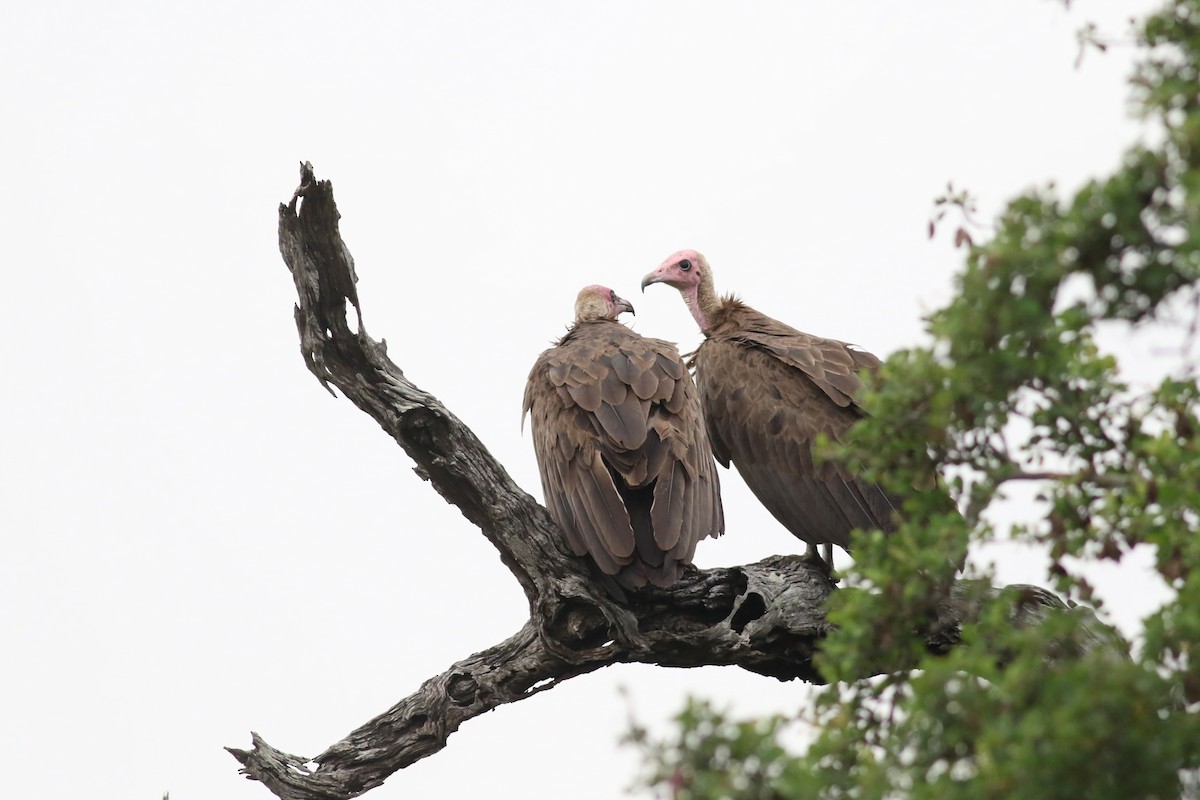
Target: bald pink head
688 271
599 302
683 270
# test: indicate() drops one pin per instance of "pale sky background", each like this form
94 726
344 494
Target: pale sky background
200 541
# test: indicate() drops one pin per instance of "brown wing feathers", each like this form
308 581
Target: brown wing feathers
626 468
768 392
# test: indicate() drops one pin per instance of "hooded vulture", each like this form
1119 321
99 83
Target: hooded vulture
626 466
768 390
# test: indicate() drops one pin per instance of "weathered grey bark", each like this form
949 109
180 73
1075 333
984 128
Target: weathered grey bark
766 617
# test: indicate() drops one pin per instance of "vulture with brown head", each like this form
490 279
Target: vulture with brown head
627 470
768 391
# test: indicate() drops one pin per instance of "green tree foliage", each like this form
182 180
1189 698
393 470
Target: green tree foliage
1015 388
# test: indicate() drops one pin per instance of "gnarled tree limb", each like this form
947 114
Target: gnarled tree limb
766 617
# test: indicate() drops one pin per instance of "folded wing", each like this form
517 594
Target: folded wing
626 466
768 391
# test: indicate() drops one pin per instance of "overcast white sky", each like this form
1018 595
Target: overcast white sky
200 541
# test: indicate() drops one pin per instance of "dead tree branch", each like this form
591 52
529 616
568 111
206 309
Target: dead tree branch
766 617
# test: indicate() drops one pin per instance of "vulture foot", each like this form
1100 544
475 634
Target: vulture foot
813 557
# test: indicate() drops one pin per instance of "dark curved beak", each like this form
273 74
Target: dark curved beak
653 277
623 304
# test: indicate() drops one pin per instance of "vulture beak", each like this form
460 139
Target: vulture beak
623 304
653 277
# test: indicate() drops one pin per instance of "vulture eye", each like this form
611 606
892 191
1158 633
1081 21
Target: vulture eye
685 265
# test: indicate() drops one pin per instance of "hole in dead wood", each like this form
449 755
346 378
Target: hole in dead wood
462 689
751 609
579 626
417 426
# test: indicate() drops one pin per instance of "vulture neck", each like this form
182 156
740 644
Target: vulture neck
703 302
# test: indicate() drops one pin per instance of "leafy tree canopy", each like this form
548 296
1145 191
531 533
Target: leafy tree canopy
1013 387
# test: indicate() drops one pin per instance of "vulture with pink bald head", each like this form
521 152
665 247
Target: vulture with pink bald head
627 470
768 391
